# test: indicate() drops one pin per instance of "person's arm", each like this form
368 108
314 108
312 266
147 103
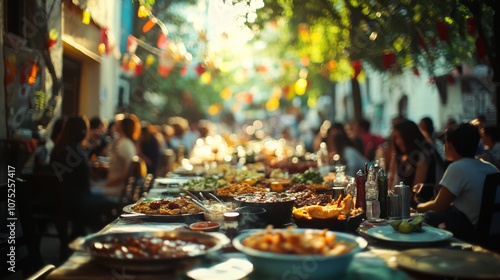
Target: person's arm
421 173
441 203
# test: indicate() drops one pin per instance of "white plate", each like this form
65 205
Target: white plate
451 263
429 235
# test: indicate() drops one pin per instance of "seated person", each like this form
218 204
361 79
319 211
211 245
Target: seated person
69 163
490 136
121 153
97 141
458 202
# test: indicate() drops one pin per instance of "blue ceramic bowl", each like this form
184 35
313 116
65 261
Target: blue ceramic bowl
288 266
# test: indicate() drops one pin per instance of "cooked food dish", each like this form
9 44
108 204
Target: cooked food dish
150 247
237 189
310 242
335 209
306 198
177 206
269 197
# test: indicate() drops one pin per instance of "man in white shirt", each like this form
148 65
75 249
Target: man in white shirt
458 202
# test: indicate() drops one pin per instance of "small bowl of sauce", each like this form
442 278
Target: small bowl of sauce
205 226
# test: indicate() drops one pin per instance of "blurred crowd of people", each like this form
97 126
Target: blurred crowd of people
75 142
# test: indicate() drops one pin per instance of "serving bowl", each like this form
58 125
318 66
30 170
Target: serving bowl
217 210
291 266
150 251
278 206
251 217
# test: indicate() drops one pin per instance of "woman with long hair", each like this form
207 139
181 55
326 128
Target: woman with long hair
70 165
339 143
149 148
121 153
414 158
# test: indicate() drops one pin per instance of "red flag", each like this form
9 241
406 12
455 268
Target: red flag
480 47
388 59
442 31
471 26
357 67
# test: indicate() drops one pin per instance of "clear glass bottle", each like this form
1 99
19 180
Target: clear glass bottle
351 189
372 203
340 182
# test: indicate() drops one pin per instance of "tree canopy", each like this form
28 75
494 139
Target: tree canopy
389 34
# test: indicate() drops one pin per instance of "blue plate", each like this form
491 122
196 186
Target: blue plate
429 235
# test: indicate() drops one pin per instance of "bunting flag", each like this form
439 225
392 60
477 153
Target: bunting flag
131 44
86 17
356 65
480 48
471 26
104 42
416 72
388 59
442 31
149 24
200 69
421 43
162 42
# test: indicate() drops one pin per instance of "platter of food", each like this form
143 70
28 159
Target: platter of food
150 251
168 210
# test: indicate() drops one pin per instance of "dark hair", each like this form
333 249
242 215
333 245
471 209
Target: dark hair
464 138
96 122
73 132
364 124
131 127
428 125
340 139
412 136
492 131
56 128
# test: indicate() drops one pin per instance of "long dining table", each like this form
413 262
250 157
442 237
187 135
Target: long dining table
382 259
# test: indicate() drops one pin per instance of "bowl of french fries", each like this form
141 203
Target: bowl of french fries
338 215
293 252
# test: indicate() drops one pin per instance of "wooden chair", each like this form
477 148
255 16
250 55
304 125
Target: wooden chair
48 200
27 247
143 189
488 226
136 173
